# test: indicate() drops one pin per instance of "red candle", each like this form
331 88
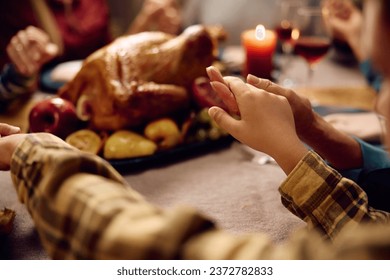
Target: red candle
259 45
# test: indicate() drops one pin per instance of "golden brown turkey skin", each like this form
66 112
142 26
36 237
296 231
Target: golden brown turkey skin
140 77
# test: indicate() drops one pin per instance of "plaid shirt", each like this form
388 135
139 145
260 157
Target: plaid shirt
83 209
13 85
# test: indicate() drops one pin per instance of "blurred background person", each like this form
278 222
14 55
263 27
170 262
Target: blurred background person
39 33
235 16
344 19
345 22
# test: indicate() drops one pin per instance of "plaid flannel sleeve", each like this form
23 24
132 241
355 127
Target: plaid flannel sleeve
83 208
324 199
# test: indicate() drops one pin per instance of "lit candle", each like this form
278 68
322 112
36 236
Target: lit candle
259 45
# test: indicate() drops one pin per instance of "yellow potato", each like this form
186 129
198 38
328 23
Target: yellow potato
85 140
127 144
164 132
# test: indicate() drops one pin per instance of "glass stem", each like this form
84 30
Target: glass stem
310 74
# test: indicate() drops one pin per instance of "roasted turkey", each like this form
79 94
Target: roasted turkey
141 77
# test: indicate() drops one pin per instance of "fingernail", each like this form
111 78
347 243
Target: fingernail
252 79
209 70
14 129
212 111
52 49
213 84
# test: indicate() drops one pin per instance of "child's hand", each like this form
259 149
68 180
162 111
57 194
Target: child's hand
266 124
224 93
301 107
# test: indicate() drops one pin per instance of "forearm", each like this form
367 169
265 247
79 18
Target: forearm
325 200
83 208
337 148
289 153
358 47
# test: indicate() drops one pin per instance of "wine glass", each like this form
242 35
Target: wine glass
287 31
314 40
286 28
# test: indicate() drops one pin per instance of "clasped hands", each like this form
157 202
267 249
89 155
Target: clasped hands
271 117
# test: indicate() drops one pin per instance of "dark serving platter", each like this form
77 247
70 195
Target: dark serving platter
182 152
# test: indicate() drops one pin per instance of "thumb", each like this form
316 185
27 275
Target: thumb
6 129
224 120
52 49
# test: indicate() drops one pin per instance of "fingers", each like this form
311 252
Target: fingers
222 88
18 52
214 74
29 49
6 129
267 85
224 120
42 49
227 97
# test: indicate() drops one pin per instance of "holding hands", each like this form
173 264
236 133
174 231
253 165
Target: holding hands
266 119
30 49
275 120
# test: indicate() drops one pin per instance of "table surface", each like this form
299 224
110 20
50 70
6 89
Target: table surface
228 184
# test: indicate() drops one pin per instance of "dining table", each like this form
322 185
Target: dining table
233 185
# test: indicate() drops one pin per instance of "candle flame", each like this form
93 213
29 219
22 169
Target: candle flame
260 32
295 34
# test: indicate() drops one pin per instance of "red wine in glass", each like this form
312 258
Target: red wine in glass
313 49
284 31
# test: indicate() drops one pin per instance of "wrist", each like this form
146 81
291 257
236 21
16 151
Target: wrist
355 43
289 156
338 148
314 131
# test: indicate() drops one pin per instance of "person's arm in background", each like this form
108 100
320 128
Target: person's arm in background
157 15
345 23
355 159
28 51
315 192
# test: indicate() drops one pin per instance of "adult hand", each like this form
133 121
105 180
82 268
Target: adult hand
10 138
338 148
266 123
300 106
345 22
162 15
304 116
30 49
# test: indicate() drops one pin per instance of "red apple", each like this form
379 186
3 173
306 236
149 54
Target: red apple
204 95
54 115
